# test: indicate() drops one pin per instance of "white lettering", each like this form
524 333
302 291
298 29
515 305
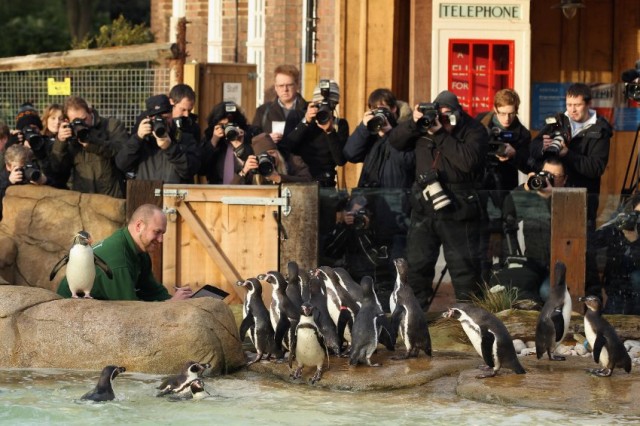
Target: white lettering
460 85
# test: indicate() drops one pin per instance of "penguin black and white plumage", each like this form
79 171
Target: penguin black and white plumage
81 262
608 350
342 306
368 326
318 298
256 321
307 345
348 283
294 292
196 391
179 384
284 314
489 337
104 389
407 318
554 318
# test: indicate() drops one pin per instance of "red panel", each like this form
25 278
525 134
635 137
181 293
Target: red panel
478 69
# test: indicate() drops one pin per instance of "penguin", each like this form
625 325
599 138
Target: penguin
554 318
196 391
349 284
341 305
407 316
104 389
369 325
318 298
81 262
294 291
489 337
608 350
307 345
256 320
283 313
180 384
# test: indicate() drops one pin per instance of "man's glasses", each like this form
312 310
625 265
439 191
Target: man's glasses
285 86
506 114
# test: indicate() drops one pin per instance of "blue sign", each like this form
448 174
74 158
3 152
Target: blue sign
547 100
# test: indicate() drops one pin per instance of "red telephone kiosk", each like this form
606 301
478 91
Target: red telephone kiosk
478 69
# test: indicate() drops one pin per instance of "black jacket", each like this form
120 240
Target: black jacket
269 112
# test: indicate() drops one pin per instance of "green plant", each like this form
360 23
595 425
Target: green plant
497 298
119 33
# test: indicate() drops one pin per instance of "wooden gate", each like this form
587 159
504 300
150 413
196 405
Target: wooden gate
219 234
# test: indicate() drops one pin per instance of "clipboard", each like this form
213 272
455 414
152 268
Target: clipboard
210 291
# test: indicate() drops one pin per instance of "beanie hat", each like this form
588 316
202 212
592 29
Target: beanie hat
28 115
334 93
262 143
158 104
448 99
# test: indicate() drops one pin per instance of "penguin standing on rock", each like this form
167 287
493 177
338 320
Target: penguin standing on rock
554 318
489 337
81 262
341 304
369 325
180 384
256 320
407 316
307 345
284 314
318 298
608 350
104 389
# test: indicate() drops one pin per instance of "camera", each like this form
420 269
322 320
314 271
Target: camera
158 126
30 173
33 136
380 117
627 221
231 131
183 123
79 130
266 164
631 87
325 106
499 139
539 180
557 133
432 190
430 112
360 219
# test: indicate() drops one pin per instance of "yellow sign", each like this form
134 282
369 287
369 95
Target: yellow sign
59 88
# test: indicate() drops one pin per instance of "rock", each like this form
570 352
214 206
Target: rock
528 351
634 352
41 330
581 350
531 344
563 350
519 345
628 344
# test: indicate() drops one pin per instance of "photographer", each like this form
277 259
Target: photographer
268 165
621 276
156 150
581 138
183 100
320 137
451 149
86 146
531 204
19 170
226 145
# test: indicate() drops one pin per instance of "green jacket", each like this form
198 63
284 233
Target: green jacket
132 275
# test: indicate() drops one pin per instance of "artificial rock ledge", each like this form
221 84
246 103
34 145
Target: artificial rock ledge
39 329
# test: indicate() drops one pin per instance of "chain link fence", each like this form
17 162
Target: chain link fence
114 92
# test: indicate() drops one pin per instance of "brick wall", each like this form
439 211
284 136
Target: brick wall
327 34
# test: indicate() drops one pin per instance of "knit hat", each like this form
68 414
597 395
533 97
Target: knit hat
27 115
334 92
158 104
448 99
262 143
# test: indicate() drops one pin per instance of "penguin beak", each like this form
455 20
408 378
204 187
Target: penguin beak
447 313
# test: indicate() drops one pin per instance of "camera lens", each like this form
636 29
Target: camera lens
266 164
158 126
324 114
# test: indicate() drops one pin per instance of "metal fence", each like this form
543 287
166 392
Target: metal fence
116 93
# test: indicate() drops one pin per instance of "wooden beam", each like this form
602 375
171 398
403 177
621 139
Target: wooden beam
301 227
153 52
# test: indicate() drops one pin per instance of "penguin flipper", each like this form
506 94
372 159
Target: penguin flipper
246 325
558 323
281 329
293 342
102 265
56 268
385 333
488 338
600 342
396 318
344 319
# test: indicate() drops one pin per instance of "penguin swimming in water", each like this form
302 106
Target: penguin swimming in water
307 345
608 350
369 325
196 391
179 384
554 318
489 337
256 321
81 262
407 316
104 389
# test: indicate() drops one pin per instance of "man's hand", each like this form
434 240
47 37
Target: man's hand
16 175
182 293
547 140
65 132
509 153
250 165
144 128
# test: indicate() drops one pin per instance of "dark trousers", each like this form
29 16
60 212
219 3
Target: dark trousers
460 241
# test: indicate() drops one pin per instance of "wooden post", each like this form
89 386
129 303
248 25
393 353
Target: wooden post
141 192
300 226
569 236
